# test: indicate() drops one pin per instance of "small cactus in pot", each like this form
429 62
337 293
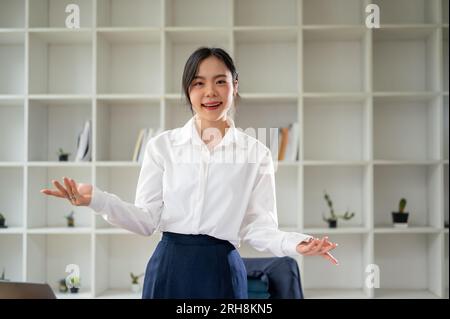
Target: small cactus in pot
400 218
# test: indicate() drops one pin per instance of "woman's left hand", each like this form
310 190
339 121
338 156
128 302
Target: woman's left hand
318 247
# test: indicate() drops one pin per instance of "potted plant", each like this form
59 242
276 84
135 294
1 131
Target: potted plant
3 277
74 284
62 286
70 220
333 219
63 156
400 218
3 221
135 287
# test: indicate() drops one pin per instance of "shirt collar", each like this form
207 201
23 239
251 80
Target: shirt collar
188 133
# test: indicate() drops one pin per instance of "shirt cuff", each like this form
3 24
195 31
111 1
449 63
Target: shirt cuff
290 242
98 200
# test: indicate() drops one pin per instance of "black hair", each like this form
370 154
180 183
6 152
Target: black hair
192 65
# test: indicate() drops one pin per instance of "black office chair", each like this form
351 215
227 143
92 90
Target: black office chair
273 278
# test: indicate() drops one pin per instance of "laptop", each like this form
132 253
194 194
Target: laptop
24 290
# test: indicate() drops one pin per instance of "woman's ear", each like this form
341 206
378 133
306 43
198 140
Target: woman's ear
236 85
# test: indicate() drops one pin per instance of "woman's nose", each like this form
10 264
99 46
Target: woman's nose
210 90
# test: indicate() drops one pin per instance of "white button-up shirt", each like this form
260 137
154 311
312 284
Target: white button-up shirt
227 192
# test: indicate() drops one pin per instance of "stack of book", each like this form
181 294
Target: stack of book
284 143
144 136
84 143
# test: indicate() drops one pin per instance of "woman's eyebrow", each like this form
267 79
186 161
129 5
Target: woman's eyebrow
215 77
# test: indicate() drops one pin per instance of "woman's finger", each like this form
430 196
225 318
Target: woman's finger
331 258
61 188
78 196
53 193
318 247
68 187
307 251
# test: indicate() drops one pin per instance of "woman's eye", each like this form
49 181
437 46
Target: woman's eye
198 83
222 81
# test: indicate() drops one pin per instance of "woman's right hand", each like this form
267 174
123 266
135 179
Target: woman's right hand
77 194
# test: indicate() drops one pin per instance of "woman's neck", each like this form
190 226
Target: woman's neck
219 126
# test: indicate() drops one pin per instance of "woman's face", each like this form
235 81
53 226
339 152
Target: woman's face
212 91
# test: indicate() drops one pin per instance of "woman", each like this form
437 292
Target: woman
206 186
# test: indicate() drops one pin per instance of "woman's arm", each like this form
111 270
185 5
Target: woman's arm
142 217
260 225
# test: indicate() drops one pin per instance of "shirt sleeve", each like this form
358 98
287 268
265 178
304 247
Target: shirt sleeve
143 216
260 224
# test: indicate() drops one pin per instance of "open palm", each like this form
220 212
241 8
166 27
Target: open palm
77 194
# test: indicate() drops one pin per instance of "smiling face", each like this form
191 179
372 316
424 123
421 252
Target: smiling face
212 90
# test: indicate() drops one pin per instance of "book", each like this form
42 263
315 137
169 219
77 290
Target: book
284 142
84 147
138 145
292 147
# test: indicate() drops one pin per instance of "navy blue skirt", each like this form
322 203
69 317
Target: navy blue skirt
195 267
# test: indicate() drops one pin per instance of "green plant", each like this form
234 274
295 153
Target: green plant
333 216
70 219
75 281
135 279
62 152
402 205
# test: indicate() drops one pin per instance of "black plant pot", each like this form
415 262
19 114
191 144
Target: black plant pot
332 223
2 223
64 157
74 290
400 219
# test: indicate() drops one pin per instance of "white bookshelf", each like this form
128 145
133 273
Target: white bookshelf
373 109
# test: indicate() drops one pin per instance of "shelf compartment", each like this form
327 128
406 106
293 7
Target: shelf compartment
402 260
136 13
408 11
340 54
446 274
118 256
11 197
47 214
445 59
339 281
49 255
181 44
268 119
262 52
56 124
265 13
445 127
348 188
60 62
445 11
393 137
405 59
129 62
418 184
120 181
52 13
445 194
11 256
12 59
177 113
198 13
114 145
336 129
12 14
12 124
332 12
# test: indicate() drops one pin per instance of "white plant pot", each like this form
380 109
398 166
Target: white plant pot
135 288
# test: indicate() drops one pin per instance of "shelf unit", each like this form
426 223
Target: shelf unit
373 109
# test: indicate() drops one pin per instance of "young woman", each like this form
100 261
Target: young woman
193 189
